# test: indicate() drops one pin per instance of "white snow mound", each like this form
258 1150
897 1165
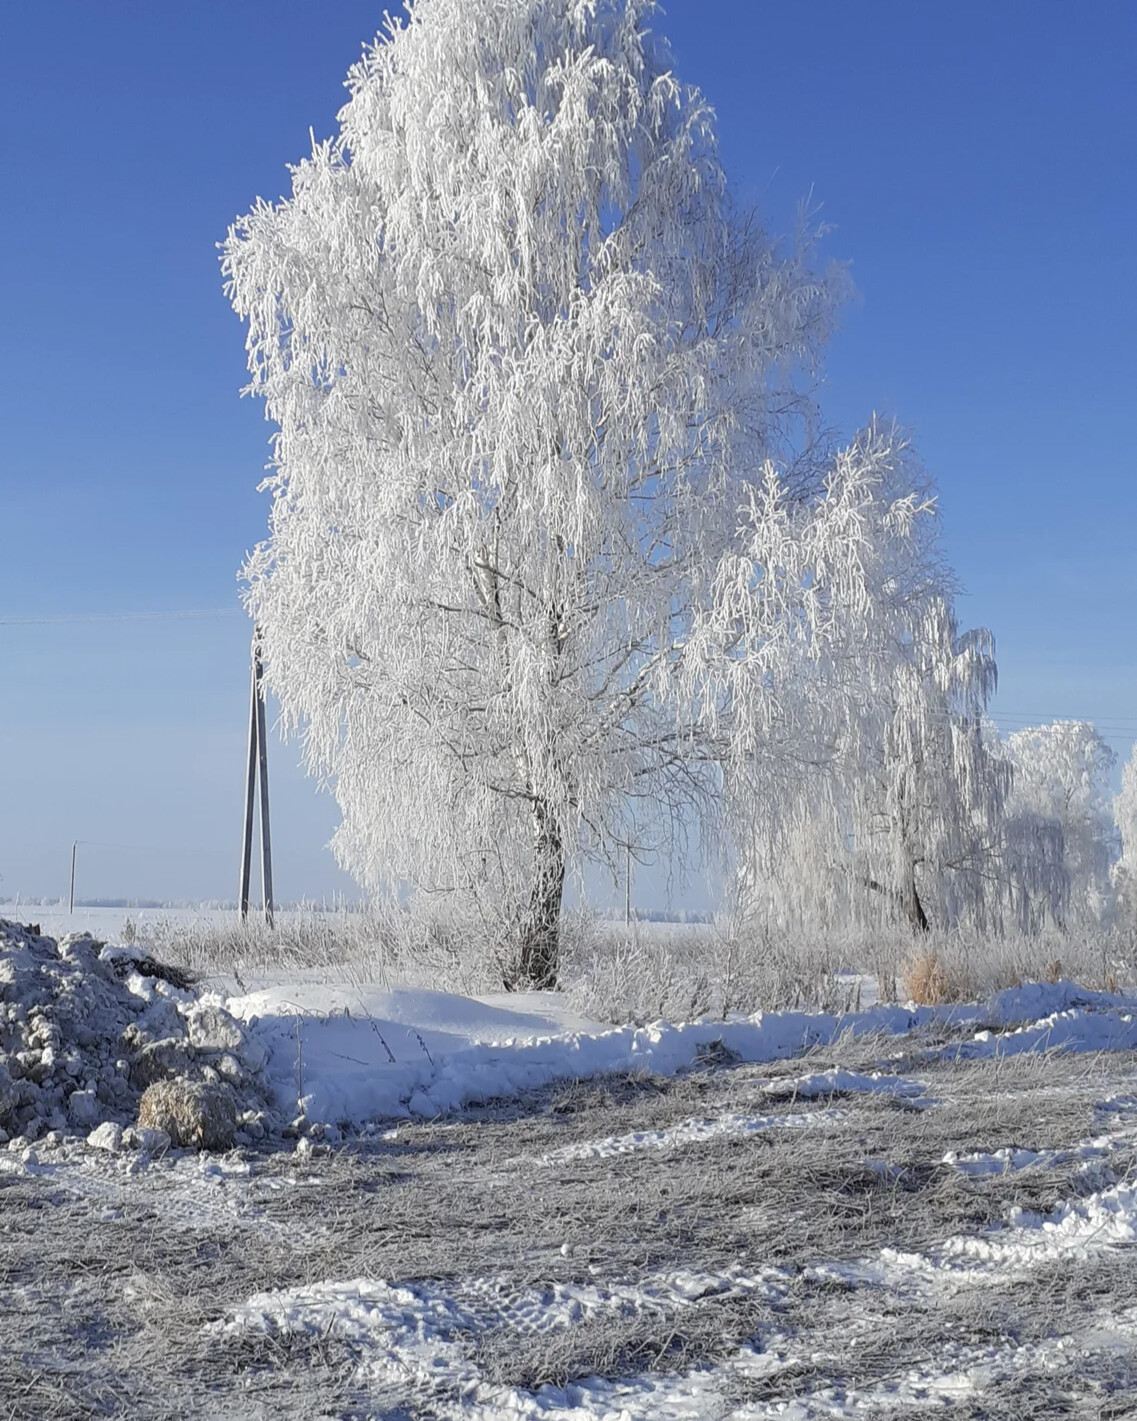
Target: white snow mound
344 1056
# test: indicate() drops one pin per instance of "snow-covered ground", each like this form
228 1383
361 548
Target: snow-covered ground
346 1055
493 1208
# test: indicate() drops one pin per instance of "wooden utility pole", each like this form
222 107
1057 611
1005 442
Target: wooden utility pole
71 903
257 762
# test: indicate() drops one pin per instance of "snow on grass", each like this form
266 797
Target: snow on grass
816 1085
419 1340
416 1337
1076 1229
958 1375
447 1343
842 1082
425 1342
1010 1158
1074 1030
192 1193
1121 1109
1005 1161
688 1132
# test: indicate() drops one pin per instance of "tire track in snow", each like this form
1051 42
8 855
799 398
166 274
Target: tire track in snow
700 1130
194 1193
415 1340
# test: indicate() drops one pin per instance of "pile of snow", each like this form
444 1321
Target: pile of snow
85 1028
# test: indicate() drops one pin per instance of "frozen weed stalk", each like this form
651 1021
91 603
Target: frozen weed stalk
297 1024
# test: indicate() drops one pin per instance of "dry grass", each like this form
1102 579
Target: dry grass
928 983
685 971
706 1332
384 946
640 973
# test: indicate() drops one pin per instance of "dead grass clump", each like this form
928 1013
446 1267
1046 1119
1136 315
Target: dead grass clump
381 945
194 1115
927 981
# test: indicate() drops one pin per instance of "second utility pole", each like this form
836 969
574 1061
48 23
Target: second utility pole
258 761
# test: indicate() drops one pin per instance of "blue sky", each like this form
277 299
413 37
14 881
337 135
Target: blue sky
976 162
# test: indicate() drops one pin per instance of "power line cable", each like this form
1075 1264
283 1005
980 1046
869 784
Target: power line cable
71 617
1039 718
179 849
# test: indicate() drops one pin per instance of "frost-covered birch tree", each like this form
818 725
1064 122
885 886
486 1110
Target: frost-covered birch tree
803 641
1125 819
526 364
1061 776
866 788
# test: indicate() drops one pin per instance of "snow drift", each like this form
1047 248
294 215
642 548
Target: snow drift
344 1058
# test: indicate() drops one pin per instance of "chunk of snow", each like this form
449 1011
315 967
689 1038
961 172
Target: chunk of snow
107 1136
83 1107
842 1082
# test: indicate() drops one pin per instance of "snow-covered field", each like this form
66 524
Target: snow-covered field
491 1208
108 923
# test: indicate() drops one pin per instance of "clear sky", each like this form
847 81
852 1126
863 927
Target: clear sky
976 162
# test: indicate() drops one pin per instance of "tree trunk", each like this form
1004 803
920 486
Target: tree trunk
906 897
912 905
541 924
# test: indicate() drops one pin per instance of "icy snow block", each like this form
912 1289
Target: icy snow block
150 1142
83 1107
159 1059
211 1028
107 1137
